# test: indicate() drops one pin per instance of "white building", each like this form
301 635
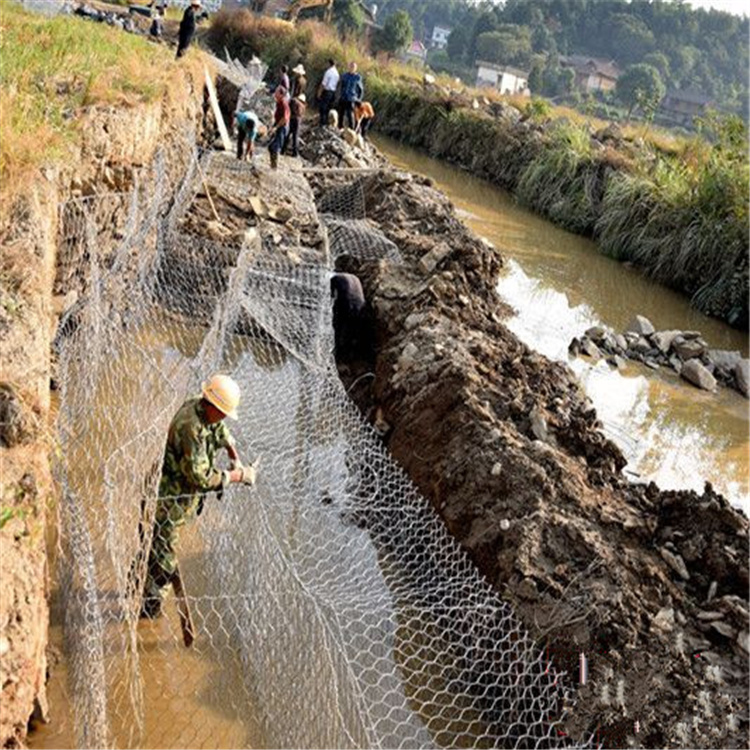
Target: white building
504 78
440 36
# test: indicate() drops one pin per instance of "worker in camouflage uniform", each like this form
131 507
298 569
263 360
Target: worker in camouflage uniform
196 435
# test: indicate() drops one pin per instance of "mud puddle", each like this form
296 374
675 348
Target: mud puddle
559 285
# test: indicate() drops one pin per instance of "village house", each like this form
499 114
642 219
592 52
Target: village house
591 73
439 39
415 52
683 106
504 78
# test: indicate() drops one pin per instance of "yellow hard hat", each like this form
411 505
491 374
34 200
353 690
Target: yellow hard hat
223 393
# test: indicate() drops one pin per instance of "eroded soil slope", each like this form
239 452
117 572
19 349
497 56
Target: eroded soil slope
650 586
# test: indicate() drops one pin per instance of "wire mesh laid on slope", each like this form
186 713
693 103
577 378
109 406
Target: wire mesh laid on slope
331 606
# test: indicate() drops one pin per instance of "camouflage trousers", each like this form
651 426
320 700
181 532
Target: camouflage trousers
162 557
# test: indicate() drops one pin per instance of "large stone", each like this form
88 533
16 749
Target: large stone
688 349
538 424
640 346
591 349
641 326
14 427
742 376
724 359
676 563
695 372
662 340
596 333
429 261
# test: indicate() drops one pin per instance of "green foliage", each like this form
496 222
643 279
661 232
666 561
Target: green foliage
659 61
561 182
630 36
640 86
5 515
348 16
486 21
396 34
51 68
556 80
704 50
458 42
537 110
508 45
536 78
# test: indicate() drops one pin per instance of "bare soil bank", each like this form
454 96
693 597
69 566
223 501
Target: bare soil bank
40 281
650 586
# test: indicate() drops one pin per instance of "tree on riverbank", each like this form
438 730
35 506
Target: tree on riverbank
396 34
640 86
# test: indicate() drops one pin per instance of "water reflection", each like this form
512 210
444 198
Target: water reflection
560 285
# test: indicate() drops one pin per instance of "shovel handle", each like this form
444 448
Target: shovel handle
186 620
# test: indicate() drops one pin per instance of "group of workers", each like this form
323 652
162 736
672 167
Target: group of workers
290 100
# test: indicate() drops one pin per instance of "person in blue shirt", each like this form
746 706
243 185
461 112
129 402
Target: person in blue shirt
248 129
352 91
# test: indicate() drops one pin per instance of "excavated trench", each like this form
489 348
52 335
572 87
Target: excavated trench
332 600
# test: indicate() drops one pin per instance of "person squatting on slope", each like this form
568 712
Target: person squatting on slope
249 128
196 435
352 91
187 26
281 119
364 114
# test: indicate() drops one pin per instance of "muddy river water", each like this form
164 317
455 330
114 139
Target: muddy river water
559 285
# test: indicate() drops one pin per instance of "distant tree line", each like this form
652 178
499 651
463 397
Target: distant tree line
703 50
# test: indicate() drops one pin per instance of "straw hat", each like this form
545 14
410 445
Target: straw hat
302 98
300 69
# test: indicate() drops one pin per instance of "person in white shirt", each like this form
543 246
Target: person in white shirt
327 91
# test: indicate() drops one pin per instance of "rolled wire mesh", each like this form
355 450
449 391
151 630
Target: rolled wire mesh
332 608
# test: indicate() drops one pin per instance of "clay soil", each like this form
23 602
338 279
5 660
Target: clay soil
651 586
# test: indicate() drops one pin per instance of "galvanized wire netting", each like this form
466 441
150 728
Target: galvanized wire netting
331 606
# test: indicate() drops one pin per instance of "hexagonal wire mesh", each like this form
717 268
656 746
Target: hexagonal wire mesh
331 607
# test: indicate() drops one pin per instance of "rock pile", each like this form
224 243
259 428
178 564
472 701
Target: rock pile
111 18
685 352
508 450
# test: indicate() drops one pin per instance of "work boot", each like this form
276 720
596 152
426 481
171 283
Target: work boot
274 159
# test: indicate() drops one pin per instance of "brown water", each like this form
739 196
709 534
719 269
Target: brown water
559 285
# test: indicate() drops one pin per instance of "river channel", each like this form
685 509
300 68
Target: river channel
560 285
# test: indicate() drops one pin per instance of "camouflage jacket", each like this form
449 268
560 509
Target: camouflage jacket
188 468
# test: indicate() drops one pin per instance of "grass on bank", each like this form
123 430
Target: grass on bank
51 69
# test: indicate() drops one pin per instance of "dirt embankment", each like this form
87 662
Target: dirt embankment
650 586
39 282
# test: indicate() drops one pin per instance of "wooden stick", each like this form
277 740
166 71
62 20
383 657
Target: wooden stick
205 187
186 620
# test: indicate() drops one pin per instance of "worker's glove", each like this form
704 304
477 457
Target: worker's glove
248 475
